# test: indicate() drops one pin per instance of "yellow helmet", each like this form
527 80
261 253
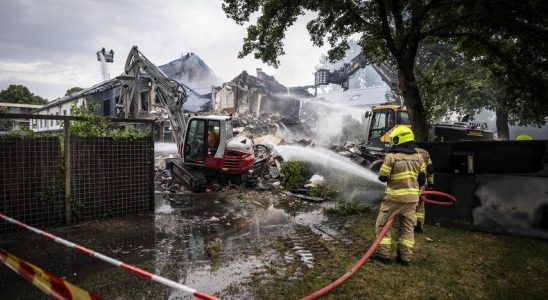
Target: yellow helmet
402 134
524 137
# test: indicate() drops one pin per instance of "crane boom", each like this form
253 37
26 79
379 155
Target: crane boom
170 93
343 74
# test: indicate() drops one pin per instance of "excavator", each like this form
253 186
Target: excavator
382 119
207 144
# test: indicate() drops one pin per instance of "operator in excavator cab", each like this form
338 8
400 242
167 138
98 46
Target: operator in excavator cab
212 141
404 172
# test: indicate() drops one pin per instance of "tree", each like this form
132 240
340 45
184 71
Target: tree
15 93
73 90
450 81
511 43
388 31
5 124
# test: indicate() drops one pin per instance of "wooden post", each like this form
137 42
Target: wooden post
68 210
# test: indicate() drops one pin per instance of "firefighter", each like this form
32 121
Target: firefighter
404 172
421 213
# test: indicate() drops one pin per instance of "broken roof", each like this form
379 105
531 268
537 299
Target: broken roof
191 71
268 83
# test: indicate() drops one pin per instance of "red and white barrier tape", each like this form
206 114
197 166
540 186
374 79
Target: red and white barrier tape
50 284
133 269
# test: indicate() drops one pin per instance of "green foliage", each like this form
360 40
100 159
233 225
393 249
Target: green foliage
95 126
296 173
98 126
511 42
73 90
5 124
321 191
15 93
344 208
452 82
24 133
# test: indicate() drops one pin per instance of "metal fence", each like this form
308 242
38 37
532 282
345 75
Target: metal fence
57 178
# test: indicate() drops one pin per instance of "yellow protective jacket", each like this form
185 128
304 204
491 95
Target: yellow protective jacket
429 166
402 170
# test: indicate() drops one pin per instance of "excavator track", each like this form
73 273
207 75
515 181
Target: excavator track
194 179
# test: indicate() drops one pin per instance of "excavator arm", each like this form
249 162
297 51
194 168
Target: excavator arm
170 93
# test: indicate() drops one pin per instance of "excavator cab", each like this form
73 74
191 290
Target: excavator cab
209 143
382 120
205 140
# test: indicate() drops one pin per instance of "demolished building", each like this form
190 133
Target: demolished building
189 70
258 94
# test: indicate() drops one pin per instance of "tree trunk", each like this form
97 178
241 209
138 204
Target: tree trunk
503 130
413 102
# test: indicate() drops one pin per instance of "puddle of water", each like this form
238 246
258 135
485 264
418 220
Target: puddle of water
174 243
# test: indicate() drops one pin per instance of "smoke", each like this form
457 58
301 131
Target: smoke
192 71
165 148
333 123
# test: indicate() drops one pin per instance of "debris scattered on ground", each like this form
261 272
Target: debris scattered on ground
267 173
315 180
269 139
213 248
315 199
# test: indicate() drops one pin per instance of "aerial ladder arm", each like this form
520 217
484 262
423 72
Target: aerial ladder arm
341 76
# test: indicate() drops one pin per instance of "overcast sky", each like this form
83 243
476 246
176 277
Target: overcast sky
51 45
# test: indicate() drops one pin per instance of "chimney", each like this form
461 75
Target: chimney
260 72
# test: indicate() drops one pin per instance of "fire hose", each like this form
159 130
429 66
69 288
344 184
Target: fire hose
451 201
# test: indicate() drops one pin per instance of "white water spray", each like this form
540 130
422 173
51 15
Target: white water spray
104 67
327 159
278 130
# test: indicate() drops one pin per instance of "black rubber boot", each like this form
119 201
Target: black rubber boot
402 262
418 228
383 260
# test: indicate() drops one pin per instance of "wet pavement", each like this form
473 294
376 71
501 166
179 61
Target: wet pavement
219 242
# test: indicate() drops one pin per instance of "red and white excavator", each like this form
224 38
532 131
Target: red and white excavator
207 144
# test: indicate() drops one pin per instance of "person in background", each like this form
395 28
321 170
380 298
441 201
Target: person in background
212 139
421 212
524 137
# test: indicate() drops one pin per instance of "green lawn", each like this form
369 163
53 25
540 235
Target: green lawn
458 264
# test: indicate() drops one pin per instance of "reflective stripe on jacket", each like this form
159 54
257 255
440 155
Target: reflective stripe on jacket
402 169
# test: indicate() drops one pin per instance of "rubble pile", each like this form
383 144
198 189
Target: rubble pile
265 173
357 152
287 130
163 180
267 131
